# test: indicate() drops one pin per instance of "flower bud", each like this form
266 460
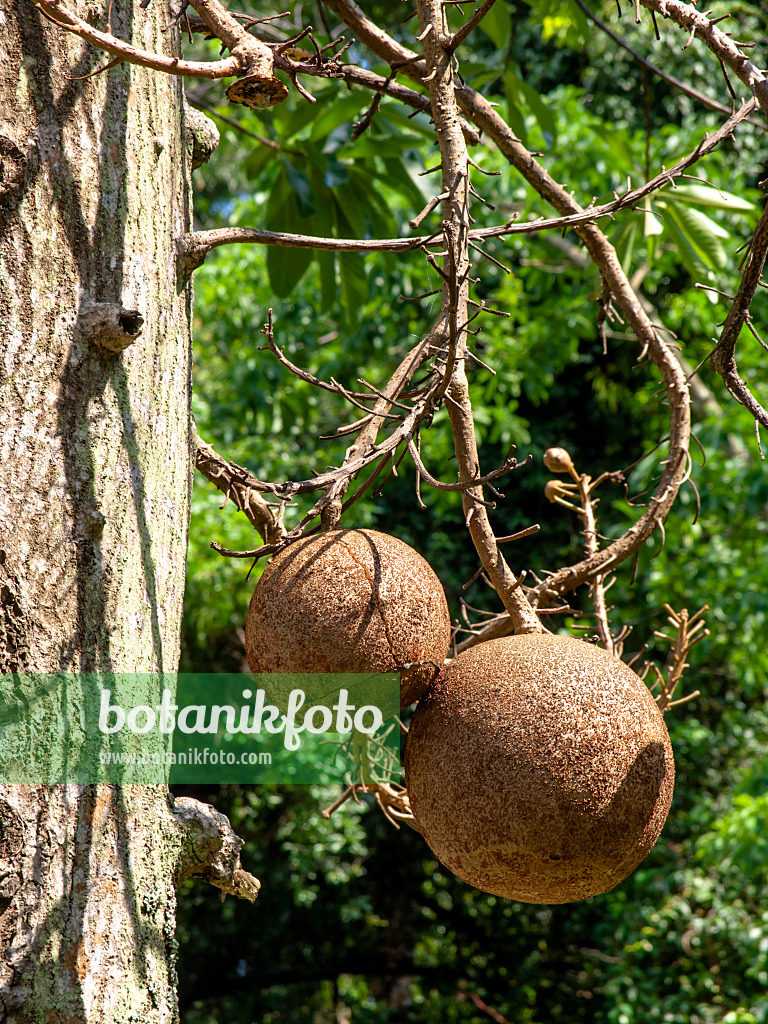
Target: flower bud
552 490
558 493
557 460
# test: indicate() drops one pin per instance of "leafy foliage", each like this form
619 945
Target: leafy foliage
358 921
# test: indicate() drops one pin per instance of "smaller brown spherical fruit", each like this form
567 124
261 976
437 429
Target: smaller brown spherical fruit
350 601
539 768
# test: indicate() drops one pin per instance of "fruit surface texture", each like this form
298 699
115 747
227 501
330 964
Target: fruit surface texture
539 768
350 601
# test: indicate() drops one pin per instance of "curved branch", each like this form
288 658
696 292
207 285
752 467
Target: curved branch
723 359
237 485
682 86
59 15
463 485
724 48
455 274
250 59
482 114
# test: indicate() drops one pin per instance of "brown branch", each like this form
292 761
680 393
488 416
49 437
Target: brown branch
58 14
682 86
193 248
477 481
724 48
369 80
250 60
438 72
458 38
723 359
238 486
482 114
334 387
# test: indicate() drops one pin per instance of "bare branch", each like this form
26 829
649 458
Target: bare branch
723 47
507 466
682 86
226 68
238 486
482 114
458 37
250 59
723 359
455 274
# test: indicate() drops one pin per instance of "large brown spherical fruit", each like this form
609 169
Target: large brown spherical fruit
350 601
539 768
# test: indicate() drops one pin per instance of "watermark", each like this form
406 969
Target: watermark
200 718
216 728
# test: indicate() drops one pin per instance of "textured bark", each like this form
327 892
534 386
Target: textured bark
95 460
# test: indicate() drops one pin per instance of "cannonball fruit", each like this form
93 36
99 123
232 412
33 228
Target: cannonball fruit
350 601
539 768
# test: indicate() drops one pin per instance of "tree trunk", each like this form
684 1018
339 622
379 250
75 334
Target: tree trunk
95 431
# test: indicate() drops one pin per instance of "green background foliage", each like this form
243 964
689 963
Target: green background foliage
357 921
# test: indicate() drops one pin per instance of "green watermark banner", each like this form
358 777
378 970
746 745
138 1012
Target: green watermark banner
199 728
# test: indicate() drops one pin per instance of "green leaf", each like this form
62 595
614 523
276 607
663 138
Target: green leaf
285 266
379 221
703 195
354 285
342 109
402 178
323 224
625 244
686 252
336 173
652 225
539 109
353 201
259 157
299 183
579 18
515 101
413 126
326 262
497 24
289 122
702 233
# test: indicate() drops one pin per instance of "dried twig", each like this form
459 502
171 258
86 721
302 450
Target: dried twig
689 630
392 799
